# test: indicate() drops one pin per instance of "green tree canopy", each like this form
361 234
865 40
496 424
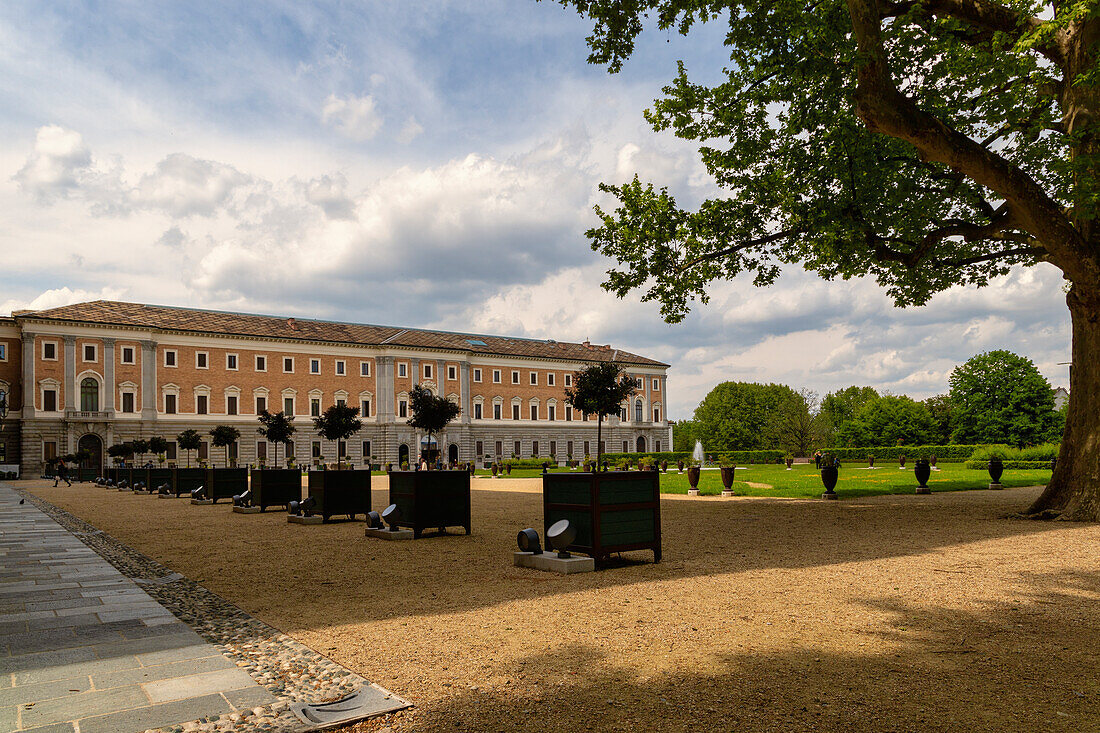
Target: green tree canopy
1000 397
223 436
737 415
600 390
430 413
277 428
189 440
838 408
794 425
888 420
922 143
158 445
939 409
338 422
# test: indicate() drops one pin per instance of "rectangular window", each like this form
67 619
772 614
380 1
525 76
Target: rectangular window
261 450
477 375
366 451
496 412
534 447
204 451
500 448
90 352
402 369
127 401
316 449
452 374
364 369
402 409
534 377
3 352
515 377
568 413
568 380
3 452
201 404
427 371
515 412
364 408
261 404
127 354
586 451
288 405
169 358
656 385
231 405
656 414
202 360
550 412
626 446
49 352
288 365
314 366
341 449
261 363
341 367
550 379
341 402
169 404
569 448
479 448
49 449
477 410
315 407
517 449
231 362
657 447
170 451
496 376
553 447
49 400
638 383
290 448
534 412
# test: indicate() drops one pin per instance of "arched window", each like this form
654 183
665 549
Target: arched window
637 411
89 395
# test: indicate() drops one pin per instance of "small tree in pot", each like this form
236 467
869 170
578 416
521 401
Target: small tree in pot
430 413
337 423
140 446
189 440
277 428
223 436
120 451
159 446
600 390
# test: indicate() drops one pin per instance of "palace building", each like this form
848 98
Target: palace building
87 376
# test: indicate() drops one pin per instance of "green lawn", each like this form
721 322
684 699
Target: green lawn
855 481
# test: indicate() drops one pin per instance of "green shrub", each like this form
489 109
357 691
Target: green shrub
943 453
1009 465
527 462
1043 452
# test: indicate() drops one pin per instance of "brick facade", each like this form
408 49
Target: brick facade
114 378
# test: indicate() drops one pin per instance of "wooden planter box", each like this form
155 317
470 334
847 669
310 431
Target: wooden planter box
85 474
431 499
154 477
613 512
224 483
276 487
186 480
340 492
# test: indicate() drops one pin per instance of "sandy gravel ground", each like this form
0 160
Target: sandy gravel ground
897 613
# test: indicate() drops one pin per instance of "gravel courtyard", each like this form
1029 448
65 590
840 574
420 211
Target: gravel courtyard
895 613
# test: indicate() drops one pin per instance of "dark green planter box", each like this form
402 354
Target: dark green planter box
275 487
613 512
186 480
340 492
225 483
154 477
431 499
86 474
121 474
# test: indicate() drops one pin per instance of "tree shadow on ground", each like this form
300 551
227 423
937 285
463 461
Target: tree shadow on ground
1023 665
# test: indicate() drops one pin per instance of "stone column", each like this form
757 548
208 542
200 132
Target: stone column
441 377
148 380
28 386
414 365
464 392
70 373
384 386
109 377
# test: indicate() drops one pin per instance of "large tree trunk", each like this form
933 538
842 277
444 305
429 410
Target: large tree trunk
1074 490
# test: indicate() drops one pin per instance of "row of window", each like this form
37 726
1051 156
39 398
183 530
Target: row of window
89 353
202 361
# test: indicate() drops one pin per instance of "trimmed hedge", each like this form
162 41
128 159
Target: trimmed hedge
1010 465
943 453
738 456
1043 452
527 462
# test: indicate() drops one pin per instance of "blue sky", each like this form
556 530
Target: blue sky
428 164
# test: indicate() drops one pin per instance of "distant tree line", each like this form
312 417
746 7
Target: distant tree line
995 397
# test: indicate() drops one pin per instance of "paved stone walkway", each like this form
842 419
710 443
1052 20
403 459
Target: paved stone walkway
84 649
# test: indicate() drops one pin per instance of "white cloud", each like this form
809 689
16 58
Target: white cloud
409 131
353 117
183 186
59 297
55 167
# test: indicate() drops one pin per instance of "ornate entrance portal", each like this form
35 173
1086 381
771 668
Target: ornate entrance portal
92 446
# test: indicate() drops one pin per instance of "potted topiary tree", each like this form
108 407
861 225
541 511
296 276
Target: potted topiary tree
141 447
185 480
275 486
339 492
223 436
430 413
600 390
224 483
154 477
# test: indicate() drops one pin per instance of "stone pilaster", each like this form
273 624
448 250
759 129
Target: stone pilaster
70 372
148 380
28 387
464 390
109 377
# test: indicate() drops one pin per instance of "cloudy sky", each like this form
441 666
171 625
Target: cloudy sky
411 163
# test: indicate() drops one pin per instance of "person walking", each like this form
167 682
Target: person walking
62 474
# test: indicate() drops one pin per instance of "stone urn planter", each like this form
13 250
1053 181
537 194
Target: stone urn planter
932 460
829 476
494 470
790 462
727 480
508 469
680 466
664 466
901 461
870 461
922 470
693 481
996 468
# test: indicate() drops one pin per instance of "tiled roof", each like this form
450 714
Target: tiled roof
168 318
